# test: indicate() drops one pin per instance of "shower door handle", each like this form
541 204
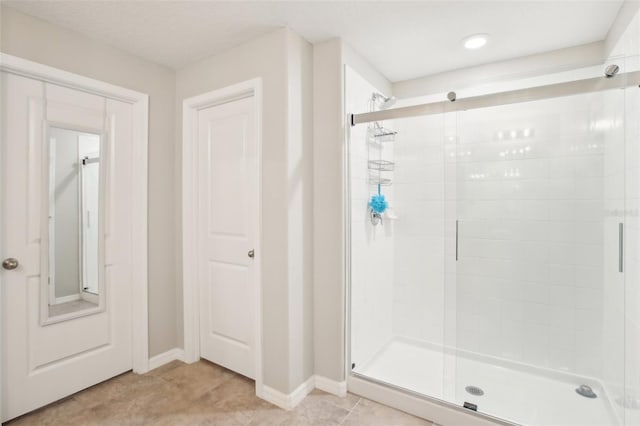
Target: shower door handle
621 247
456 240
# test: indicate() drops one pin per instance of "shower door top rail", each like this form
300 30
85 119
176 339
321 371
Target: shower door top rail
557 90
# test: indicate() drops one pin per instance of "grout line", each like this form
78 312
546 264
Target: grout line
350 411
341 407
356 404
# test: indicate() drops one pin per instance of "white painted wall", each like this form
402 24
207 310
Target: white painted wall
623 38
39 41
503 71
300 206
328 205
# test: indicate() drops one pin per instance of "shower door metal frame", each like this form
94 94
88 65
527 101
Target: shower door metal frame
557 90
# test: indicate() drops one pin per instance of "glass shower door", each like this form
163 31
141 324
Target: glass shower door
631 401
536 312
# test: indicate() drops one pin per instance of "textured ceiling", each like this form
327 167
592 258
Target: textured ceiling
401 39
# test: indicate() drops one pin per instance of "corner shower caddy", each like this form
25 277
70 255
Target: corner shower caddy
379 168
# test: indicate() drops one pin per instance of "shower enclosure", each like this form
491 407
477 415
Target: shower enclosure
506 279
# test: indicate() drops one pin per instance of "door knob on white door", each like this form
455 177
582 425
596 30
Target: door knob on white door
251 254
10 263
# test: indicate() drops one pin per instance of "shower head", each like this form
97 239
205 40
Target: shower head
389 102
386 102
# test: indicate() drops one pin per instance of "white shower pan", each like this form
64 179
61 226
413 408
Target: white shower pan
515 392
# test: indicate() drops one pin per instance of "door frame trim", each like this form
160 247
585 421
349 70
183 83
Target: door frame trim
190 200
140 103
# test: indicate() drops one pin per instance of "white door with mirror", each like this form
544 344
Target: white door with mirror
68 240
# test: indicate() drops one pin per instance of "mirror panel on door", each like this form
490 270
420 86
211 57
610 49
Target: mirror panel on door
74 222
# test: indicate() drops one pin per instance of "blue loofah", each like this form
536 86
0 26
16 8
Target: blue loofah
378 203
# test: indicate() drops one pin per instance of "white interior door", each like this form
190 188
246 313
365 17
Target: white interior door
51 351
228 220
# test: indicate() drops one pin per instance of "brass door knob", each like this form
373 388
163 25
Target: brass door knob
10 263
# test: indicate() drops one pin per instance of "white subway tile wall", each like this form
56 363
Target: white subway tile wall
532 194
419 269
530 187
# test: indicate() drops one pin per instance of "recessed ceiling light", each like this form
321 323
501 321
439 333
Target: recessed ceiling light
476 41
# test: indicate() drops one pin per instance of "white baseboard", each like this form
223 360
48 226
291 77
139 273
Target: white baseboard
331 386
70 298
166 357
288 401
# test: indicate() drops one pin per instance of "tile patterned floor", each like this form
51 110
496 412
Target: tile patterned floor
204 394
